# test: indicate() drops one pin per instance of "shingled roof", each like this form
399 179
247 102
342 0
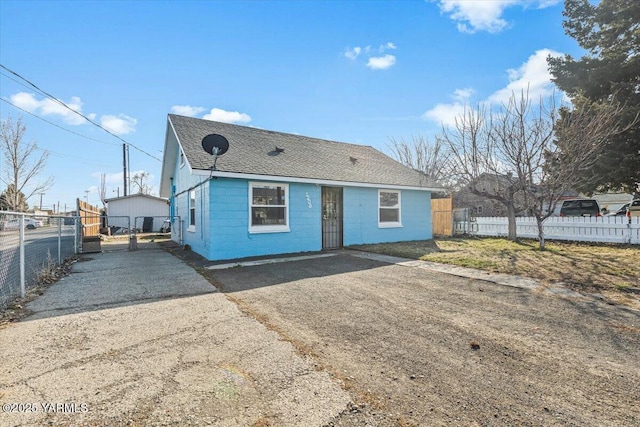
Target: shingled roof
275 154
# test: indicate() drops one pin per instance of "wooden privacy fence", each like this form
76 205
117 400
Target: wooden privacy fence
441 216
90 224
608 229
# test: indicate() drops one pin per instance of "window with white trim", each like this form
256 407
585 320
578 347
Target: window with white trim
192 210
181 158
268 207
389 208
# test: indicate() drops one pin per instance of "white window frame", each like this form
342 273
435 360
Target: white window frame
191 205
182 162
269 228
390 224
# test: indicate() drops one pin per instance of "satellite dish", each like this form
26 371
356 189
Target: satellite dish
216 145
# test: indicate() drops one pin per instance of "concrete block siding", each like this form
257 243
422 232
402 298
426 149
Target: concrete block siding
361 217
229 222
222 220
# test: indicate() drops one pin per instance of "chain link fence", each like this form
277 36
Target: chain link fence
30 247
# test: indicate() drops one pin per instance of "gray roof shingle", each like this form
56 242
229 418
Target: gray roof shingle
253 151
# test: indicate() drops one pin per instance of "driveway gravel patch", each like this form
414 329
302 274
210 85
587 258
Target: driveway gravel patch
419 347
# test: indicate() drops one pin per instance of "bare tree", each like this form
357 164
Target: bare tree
102 190
478 164
22 163
514 149
547 170
139 181
422 155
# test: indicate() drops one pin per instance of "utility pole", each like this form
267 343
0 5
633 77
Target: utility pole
41 194
124 166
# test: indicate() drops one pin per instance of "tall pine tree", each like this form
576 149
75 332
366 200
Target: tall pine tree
610 71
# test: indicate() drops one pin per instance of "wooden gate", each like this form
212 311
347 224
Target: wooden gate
90 219
441 216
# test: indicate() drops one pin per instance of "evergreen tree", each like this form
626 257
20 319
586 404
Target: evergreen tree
610 72
10 201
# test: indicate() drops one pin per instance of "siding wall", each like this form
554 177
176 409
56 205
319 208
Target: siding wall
361 217
229 221
136 207
183 180
222 218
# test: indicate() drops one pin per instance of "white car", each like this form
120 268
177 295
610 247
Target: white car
14 224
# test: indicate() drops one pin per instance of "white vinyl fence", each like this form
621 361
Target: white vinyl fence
608 229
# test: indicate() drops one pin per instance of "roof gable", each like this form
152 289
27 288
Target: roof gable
136 196
253 151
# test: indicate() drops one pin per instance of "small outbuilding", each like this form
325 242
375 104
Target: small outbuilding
274 193
140 211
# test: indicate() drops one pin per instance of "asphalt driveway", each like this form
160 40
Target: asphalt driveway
418 347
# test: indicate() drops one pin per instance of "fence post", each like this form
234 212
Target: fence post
75 235
59 241
23 289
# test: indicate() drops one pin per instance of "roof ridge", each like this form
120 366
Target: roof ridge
276 132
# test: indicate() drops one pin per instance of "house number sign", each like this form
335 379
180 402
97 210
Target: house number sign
309 201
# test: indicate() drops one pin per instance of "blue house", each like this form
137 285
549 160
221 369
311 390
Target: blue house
276 193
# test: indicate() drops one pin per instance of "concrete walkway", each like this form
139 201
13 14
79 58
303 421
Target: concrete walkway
140 338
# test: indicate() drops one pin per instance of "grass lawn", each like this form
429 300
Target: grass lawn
612 270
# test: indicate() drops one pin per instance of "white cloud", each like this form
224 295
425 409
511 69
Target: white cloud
120 124
387 46
445 114
49 107
219 115
353 53
485 15
533 76
463 94
381 62
187 110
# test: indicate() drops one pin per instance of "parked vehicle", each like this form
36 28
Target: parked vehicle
14 224
620 212
634 208
580 207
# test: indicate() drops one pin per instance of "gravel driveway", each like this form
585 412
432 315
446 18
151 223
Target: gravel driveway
416 347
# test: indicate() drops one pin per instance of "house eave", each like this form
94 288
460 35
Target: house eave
239 175
169 159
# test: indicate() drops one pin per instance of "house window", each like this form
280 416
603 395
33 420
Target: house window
192 211
268 207
181 158
389 208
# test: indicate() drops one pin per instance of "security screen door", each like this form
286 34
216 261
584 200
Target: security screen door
331 217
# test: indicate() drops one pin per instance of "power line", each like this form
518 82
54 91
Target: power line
53 98
58 126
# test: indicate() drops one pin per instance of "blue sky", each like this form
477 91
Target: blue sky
352 71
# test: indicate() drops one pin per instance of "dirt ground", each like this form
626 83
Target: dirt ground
416 347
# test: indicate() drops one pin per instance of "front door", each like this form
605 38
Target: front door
331 217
